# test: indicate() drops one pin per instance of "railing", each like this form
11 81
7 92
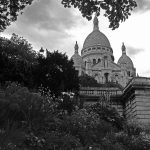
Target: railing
96 91
99 92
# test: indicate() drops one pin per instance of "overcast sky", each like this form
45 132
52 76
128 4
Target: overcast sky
47 24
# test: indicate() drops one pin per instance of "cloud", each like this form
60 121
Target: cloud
132 51
145 73
49 14
142 6
45 23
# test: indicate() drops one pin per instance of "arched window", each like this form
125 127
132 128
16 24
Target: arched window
112 58
99 60
94 61
106 77
85 63
128 73
116 76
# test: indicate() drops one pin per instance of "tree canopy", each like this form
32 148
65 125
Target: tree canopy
34 122
9 10
56 72
17 48
87 81
115 10
20 63
16 60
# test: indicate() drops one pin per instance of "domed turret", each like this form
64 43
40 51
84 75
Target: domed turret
124 60
77 59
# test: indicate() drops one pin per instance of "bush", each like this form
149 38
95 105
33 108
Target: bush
31 121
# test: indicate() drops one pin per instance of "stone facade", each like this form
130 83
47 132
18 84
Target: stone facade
136 99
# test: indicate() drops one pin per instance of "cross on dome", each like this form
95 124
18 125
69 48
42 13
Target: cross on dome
123 49
96 23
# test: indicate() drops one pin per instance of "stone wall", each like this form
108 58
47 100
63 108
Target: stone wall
116 102
136 99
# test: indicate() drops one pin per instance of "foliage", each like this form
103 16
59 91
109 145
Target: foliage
56 72
17 59
126 142
116 11
9 10
31 121
56 140
20 63
17 48
66 104
21 106
108 113
11 139
87 81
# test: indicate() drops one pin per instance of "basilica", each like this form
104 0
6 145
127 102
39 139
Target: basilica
97 59
132 97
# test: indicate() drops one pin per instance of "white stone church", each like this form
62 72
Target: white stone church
97 59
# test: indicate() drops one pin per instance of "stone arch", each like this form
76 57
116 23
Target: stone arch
85 63
99 60
106 75
94 61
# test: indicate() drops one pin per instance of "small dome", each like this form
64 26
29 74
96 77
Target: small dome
125 60
77 59
96 38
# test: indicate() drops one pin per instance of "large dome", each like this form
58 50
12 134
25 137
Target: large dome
96 38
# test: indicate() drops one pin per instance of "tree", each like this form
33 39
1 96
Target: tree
89 81
17 48
17 59
9 10
107 113
115 10
56 72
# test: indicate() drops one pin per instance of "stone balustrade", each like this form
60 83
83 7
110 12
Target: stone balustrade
98 91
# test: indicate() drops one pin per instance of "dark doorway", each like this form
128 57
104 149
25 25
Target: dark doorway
106 77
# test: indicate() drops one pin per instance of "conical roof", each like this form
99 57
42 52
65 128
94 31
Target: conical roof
77 59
